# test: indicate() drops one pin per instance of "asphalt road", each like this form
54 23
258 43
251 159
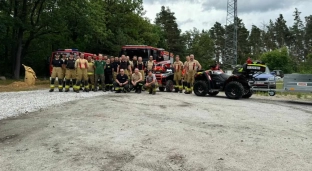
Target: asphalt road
167 131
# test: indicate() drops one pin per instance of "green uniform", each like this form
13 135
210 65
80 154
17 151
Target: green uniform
99 73
99 67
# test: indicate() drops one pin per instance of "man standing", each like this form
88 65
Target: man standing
151 83
185 73
150 64
125 65
178 66
108 70
57 71
99 73
121 82
91 72
137 80
81 66
191 69
115 66
70 71
134 62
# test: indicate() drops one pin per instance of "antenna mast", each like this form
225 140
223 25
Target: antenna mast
230 52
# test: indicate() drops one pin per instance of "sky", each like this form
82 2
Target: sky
202 14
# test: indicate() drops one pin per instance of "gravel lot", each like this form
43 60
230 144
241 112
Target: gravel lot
167 131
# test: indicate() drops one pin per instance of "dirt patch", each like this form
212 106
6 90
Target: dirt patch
18 84
22 86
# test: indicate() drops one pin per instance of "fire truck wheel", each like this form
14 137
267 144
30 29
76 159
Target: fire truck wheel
169 85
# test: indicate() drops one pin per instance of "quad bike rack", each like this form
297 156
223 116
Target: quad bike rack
292 83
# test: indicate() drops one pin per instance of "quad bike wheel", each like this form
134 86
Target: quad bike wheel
247 95
161 88
213 93
234 90
169 85
200 88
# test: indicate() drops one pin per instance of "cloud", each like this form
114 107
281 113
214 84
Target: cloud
203 14
180 23
247 6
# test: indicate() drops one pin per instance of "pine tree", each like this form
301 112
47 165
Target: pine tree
217 33
255 41
297 39
166 20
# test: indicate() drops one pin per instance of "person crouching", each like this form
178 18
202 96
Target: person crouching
121 82
151 83
137 80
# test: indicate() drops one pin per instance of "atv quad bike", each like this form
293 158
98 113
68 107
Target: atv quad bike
235 86
164 75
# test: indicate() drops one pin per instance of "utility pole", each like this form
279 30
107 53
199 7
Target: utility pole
230 51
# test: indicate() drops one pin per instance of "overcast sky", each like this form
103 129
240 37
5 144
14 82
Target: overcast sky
202 14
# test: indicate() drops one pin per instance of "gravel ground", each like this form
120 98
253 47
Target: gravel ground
167 131
16 103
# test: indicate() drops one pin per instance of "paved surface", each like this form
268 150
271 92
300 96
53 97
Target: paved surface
163 132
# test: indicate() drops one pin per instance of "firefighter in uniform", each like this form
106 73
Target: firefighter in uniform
125 65
185 73
57 71
151 83
191 69
137 80
64 58
115 66
178 66
140 65
70 71
81 66
99 72
91 73
133 62
121 83
108 70
150 64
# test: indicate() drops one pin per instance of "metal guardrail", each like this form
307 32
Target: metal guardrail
292 83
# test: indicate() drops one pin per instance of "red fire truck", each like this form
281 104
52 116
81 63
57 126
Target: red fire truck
145 52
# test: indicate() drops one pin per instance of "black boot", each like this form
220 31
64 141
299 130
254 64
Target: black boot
60 86
139 89
150 90
188 89
77 89
52 85
180 86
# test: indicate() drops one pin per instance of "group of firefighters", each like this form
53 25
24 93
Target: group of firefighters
117 73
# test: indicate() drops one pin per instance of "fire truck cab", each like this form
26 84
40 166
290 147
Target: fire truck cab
66 52
145 52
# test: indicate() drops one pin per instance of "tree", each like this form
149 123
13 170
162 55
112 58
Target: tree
166 20
283 37
217 33
255 41
297 39
242 41
278 59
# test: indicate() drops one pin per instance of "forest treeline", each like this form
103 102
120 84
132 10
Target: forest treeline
31 29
